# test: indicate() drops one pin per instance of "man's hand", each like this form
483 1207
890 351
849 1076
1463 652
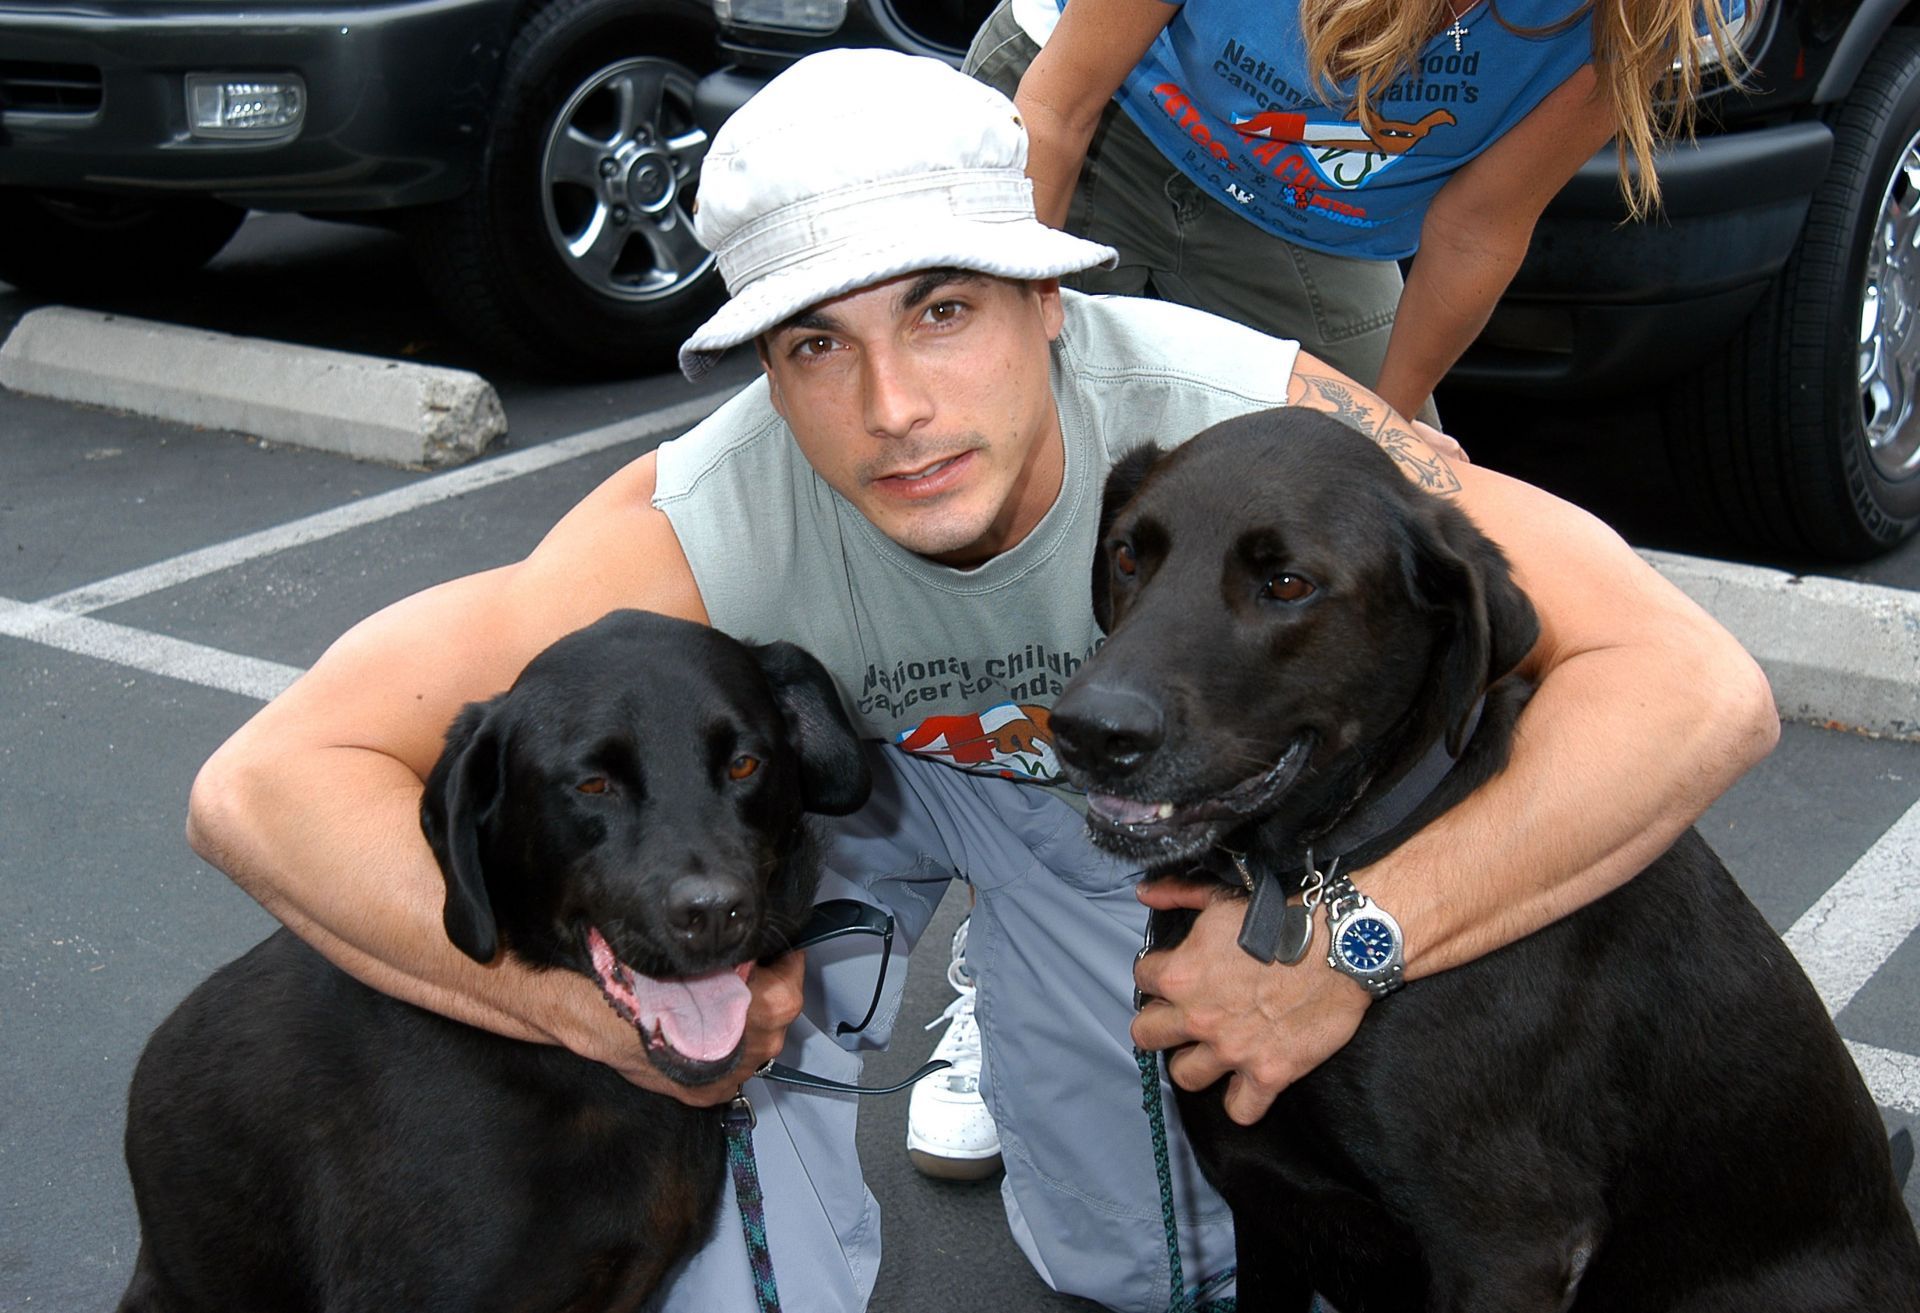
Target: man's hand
1267 1025
776 1002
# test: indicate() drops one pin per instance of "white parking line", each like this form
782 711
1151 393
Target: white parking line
1853 928
1892 1078
1850 932
195 663
59 622
325 524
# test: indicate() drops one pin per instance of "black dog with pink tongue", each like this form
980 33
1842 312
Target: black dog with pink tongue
633 810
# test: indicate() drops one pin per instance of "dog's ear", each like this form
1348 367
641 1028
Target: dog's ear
1453 567
834 777
463 792
1123 480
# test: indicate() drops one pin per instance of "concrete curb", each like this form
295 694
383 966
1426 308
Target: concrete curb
395 412
1836 652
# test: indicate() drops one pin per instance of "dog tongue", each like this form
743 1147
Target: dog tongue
701 1017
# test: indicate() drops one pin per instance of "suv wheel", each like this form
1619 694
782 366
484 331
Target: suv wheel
574 252
86 243
1804 438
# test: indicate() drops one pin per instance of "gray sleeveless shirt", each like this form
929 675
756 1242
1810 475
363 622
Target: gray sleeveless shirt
960 665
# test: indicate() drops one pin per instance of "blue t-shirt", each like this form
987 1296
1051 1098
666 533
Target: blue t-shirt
1225 94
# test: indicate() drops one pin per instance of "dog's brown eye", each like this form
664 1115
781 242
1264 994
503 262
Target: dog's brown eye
1288 588
597 784
742 766
1123 560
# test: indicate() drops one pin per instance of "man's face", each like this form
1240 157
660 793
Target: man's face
925 402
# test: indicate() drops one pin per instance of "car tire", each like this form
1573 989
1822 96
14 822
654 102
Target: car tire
62 244
573 253
1803 438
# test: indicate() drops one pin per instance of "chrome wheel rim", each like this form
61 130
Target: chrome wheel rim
617 176
1889 361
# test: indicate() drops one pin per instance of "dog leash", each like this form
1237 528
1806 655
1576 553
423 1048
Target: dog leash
831 920
1203 1298
738 1121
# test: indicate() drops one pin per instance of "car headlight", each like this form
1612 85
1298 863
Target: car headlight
782 15
245 105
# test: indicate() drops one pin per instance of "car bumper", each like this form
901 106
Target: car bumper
1599 306
92 96
756 55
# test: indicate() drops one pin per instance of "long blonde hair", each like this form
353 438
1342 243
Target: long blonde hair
1647 55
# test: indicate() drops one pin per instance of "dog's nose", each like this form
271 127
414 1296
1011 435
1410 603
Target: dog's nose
1106 728
709 915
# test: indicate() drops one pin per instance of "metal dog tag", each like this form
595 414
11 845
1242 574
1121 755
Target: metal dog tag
1296 932
1274 930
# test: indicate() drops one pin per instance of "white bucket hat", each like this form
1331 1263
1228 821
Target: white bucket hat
855 166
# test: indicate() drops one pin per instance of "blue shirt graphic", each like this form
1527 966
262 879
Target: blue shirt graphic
1224 93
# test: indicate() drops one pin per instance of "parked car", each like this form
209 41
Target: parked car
543 156
540 154
761 37
1770 310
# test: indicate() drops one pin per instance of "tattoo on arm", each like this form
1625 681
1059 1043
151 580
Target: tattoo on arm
1352 404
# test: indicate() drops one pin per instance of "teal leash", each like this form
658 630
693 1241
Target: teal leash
738 1120
1203 1298
830 920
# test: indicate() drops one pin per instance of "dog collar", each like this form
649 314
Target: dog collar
1278 930
1374 818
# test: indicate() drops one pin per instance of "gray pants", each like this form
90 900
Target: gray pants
1054 930
1180 243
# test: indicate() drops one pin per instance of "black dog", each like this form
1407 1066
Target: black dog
1642 1107
632 810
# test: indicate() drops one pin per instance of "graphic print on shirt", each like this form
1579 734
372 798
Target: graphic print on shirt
1227 95
1345 152
1309 159
1010 740
982 714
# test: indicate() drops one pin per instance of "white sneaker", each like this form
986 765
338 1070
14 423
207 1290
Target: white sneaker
950 1133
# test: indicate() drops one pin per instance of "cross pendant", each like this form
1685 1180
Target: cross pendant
1456 32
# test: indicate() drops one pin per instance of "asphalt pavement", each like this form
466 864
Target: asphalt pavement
157 581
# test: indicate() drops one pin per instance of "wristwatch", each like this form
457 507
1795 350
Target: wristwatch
1366 939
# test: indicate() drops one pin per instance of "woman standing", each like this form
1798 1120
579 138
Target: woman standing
1271 162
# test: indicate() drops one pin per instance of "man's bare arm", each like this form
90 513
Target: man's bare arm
313 805
1646 710
1319 387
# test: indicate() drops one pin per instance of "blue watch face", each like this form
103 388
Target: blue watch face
1366 944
